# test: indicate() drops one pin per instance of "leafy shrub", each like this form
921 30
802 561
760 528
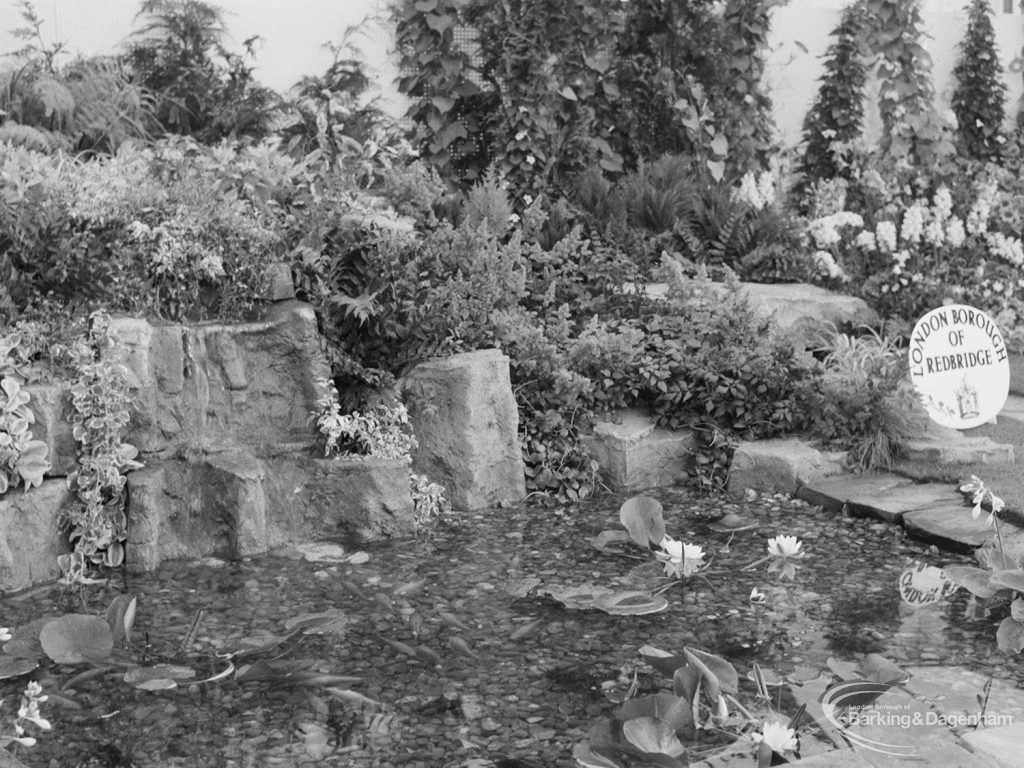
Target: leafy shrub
718 372
863 403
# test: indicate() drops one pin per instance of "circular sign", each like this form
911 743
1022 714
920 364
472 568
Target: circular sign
959 367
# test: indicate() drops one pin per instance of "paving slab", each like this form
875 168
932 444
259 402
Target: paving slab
890 504
950 446
834 493
949 525
1001 746
954 691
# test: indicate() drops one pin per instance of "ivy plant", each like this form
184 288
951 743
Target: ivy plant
22 458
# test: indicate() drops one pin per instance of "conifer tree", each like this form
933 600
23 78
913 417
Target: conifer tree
980 95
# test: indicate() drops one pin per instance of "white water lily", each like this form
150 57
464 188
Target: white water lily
783 550
777 736
681 559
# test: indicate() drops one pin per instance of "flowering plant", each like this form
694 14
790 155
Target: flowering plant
681 560
382 431
28 712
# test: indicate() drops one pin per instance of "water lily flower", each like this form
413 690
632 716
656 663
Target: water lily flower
777 736
783 551
681 559
757 597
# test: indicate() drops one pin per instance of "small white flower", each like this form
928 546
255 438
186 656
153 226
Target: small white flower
530 159
757 597
784 550
777 736
521 135
528 199
681 559
5 634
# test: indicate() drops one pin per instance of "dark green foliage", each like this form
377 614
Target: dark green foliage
202 89
837 114
980 94
863 403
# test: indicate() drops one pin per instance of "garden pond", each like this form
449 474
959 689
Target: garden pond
447 650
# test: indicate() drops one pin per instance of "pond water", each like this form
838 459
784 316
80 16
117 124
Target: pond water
504 675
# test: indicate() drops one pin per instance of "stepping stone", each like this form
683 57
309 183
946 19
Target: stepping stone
1000 746
891 504
950 526
835 493
953 692
781 465
949 446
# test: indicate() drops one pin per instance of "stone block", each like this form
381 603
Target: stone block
147 507
781 465
30 538
233 493
278 283
634 454
51 406
465 418
363 499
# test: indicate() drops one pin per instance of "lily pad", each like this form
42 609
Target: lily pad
11 666
974 580
615 602
24 642
76 638
642 517
159 677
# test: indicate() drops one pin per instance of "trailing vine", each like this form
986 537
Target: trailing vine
101 410
980 94
910 127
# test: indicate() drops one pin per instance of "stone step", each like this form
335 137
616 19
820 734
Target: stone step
950 526
950 446
634 454
877 494
781 465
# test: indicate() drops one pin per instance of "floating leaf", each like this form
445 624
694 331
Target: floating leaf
652 735
625 603
1010 635
974 580
642 517
277 671
353 697
1008 579
159 677
723 671
11 666
585 757
24 642
76 638
663 661
226 672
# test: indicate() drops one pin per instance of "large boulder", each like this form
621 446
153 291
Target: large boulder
465 418
30 539
802 312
